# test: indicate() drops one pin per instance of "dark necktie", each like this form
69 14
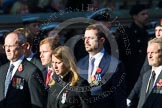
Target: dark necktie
8 78
90 69
151 83
49 72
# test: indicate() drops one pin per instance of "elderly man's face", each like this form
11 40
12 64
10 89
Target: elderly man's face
154 55
12 48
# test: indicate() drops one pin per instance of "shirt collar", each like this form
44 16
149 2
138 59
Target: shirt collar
17 63
99 54
49 68
30 57
158 70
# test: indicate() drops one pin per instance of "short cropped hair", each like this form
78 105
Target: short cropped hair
156 40
52 41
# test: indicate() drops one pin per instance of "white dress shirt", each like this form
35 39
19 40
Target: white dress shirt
97 61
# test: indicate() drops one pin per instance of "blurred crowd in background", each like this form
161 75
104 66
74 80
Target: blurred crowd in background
41 6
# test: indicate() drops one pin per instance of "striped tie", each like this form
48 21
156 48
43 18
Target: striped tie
49 72
90 69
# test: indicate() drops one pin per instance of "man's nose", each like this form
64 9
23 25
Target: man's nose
86 40
55 66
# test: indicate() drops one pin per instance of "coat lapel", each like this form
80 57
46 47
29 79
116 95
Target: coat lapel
44 73
3 77
104 64
145 83
108 66
143 89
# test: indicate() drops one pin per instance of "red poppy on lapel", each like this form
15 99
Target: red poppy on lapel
20 68
98 70
159 84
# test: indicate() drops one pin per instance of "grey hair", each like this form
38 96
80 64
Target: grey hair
156 40
21 37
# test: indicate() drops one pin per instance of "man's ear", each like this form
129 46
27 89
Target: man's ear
26 45
102 39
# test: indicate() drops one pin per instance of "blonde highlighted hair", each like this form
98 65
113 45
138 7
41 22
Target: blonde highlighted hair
65 54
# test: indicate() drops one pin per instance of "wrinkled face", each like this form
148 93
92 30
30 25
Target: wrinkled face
58 66
158 31
33 28
13 50
142 17
45 54
154 55
91 41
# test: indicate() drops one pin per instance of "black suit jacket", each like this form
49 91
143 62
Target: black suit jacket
135 93
154 98
26 89
113 78
35 60
75 97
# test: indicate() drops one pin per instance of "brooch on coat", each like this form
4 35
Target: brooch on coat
96 79
64 97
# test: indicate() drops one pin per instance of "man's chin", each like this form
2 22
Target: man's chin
88 50
9 58
44 64
151 64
